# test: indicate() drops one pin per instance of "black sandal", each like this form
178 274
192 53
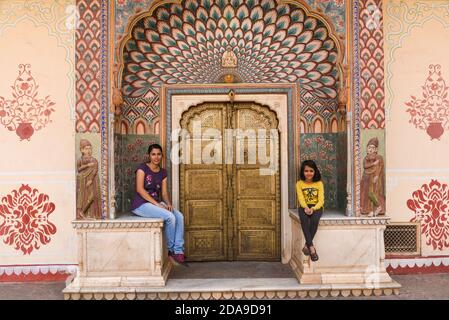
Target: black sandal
314 255
306 251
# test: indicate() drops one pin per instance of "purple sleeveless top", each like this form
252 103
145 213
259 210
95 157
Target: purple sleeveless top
152 184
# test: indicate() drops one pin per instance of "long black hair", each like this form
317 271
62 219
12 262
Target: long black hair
154 146
311 164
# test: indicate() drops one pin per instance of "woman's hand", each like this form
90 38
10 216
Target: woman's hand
169 207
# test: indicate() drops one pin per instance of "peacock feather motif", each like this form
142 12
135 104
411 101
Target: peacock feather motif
273 42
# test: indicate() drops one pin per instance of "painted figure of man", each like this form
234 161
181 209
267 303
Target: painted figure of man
372 186
87 184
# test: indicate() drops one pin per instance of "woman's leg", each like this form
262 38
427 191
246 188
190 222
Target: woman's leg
179 232
149 210
305 221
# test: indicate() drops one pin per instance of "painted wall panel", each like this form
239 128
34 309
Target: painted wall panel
417 151
37 169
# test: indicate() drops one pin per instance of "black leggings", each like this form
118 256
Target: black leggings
309 224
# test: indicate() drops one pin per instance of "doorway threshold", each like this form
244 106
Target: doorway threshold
230 281
232 270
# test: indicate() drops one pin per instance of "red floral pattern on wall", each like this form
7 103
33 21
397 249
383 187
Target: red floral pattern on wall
431 207
24 219
25 113
431 113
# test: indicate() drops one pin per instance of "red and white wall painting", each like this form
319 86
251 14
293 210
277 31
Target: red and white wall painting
26 112
37 139
431 112
417 118
25 219
430 205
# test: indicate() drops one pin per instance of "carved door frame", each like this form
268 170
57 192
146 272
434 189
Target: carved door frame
283 99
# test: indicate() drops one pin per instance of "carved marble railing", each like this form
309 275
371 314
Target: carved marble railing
120 253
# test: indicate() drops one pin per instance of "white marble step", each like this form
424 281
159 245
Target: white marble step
237 288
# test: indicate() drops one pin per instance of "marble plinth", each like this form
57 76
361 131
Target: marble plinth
351 251
120 253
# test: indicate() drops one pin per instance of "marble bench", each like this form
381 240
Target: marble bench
125 252
351 251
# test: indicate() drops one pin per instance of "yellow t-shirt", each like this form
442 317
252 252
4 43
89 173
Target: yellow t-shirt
310 193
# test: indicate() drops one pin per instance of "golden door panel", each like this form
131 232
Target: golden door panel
252 116
205 119
202 183
205 245
200 152
204 214
203 207
256 194
250 151
232 211
260 213
257 245
251 184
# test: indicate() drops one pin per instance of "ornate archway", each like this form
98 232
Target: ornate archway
273 41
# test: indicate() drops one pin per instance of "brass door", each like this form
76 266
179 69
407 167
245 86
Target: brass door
231 206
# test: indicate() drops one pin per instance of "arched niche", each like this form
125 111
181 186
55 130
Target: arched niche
183 42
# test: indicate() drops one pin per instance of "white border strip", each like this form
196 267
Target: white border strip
38 269
417 262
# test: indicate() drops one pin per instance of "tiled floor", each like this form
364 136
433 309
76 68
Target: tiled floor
220 270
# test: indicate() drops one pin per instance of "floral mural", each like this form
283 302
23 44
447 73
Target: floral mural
431 112
25 113
133 150
24 219
322 149
430 205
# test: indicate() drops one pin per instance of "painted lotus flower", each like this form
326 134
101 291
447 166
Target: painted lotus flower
24 219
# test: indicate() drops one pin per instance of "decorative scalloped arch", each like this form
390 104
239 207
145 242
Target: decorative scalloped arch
333 127
275 41
124 127
303 126
318 125
141 127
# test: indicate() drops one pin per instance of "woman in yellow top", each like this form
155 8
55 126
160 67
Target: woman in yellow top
310 191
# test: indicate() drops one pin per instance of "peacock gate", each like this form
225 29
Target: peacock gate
238 94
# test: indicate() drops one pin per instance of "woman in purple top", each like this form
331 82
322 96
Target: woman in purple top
151 179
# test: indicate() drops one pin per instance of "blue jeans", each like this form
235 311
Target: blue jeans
173 224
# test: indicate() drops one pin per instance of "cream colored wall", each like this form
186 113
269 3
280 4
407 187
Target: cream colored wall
416 36
40 33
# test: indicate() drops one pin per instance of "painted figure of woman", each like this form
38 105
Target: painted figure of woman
87 184
372 186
